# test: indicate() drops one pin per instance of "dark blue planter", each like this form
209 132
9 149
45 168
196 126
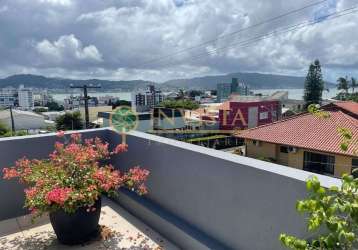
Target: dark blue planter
77 228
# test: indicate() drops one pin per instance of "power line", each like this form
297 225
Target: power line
86 98
251 41
234 33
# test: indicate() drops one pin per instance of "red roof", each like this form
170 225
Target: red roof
349 106
307 131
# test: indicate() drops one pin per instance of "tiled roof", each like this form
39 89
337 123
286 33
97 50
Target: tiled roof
307 131
349 106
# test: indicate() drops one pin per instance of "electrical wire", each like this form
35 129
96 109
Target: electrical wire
234 33
251 41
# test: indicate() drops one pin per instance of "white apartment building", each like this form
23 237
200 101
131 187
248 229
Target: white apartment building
144 101
25 97
8 97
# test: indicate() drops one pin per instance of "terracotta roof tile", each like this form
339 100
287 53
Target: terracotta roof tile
349 106
307 131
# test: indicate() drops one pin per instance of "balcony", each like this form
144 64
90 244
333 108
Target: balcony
198 198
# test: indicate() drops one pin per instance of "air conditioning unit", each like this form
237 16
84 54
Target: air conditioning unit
256 143
292 150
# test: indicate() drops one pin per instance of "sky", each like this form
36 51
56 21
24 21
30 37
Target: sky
149 39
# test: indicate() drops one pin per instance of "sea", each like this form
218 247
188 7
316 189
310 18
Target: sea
296 94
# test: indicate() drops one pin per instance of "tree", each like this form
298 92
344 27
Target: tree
180 104
181 94
54 106
354 84
314 84
69 121
3 130
119 103
193 93
343 84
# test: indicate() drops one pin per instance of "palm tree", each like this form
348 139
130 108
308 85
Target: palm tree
354 84
181 94
342 84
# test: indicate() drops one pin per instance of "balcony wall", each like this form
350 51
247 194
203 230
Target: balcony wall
199 198
33 147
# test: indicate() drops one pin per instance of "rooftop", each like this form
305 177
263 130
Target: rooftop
307 131
349 106
198 198
128 233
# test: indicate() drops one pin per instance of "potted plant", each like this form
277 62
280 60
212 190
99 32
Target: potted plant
69 184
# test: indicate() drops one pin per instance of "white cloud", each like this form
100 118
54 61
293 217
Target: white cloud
67 49
112 38
57 2
4 8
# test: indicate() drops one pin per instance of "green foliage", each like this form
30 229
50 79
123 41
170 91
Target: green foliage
353 84
333 213
119 103
54 106
69 121
39 110
16 133
343 84
193 93
314 84
315 110
347 97
3 130
347 140
180 104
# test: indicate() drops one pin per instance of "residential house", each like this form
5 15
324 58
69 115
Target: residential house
307 141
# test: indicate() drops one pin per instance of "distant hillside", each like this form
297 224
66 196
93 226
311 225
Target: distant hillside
254 80
37 81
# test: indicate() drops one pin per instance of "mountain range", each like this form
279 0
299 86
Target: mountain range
253 80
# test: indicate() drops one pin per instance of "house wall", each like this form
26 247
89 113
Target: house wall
343 164
266 150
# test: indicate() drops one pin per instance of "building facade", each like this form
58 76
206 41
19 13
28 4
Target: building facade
25 98
242 115
224 90
145 101
307 142
8 97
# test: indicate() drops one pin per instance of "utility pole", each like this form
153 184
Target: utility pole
12 122
86 98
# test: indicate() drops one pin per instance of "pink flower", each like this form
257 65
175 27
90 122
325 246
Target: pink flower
9 173
30 192
120 148
60 134
58 195
76 137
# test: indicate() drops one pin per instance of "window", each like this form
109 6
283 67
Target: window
284 149
355 167
319 163
274 116
263 115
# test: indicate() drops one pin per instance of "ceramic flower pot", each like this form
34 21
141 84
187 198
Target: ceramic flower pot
78 227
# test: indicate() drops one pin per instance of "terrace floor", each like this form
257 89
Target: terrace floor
127 233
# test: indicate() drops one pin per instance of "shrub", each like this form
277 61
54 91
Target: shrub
333 213
73 176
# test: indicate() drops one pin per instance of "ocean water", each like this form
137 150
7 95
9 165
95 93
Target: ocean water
296 94
122 95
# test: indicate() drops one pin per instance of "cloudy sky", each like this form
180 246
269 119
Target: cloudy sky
148 39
